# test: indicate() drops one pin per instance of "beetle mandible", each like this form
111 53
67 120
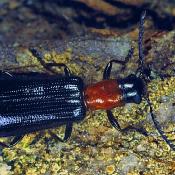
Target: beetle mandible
29 104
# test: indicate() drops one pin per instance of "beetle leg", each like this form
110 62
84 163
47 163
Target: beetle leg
108 68
68 132
15 140
37 138
116 125
66 69
48 66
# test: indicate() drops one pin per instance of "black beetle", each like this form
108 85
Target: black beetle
29 104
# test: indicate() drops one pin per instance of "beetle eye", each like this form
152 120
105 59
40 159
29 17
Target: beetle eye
137 99
128 85
134 97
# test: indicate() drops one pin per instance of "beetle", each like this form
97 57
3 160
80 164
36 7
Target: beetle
29 104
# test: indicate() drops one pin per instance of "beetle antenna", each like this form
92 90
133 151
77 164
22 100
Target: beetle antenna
140 40
158 127
143 72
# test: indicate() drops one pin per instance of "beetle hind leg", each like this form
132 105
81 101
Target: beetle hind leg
116 125
68 132
15 140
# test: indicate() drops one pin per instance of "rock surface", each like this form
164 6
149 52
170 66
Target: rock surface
85 35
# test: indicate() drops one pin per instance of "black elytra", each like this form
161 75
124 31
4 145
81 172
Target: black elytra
29 104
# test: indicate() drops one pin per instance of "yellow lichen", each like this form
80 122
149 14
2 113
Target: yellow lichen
53 56
25 59
133 173
110 169
94 140
65 58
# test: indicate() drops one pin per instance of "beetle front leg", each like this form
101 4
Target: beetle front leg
108 68
116 125
48 66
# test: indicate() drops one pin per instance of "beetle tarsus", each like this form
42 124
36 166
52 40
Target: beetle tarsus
67 135
49 66
129 128
15 140
66 69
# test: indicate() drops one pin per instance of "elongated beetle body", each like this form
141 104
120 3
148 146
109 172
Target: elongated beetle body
40 103
29 104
